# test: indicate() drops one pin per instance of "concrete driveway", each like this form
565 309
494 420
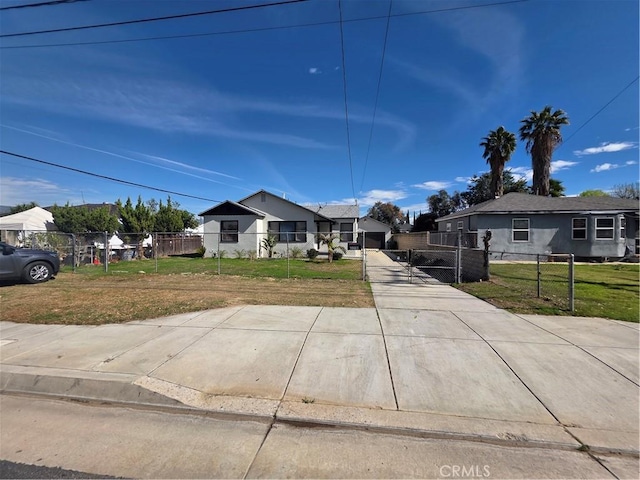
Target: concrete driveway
429 360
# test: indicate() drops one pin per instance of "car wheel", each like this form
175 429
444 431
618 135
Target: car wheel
37 272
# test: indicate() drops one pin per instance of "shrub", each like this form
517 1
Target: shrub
295 252
240 253
200 251
223 254
337 255
252 255
312 253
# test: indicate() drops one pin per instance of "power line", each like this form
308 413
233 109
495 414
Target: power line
41 4
155 19
346 108
600 111
375 105
260 29
104 177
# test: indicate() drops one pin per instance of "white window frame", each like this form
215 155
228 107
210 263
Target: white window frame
623 228
460 225
574 228
518 230
611 228
448 227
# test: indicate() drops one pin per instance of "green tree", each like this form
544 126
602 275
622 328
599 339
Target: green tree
387 213
498 147
442 203
541 132
80 219
556 188
328 239
626 190
269 244
425 222
137 222
22 207
479 189
167 218
594 193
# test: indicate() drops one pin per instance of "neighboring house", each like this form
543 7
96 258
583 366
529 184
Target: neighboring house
588 227
376 234
243 225
14 227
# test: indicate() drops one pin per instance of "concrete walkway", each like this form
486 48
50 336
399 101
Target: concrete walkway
428 361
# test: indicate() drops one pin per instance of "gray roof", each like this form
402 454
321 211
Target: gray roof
338 211
526 203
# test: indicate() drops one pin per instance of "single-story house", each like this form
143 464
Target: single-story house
588 227
243 225
377 234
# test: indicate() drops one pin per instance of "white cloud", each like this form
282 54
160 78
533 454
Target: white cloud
463 179
522 173
604 167
631 162
558 165
23 190
433 185
606 147
315 71
372 196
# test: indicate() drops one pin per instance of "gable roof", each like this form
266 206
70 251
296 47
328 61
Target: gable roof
284 200
368 219
232 208
35 218
339 211
526 203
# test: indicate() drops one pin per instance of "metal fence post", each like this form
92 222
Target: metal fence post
364 256
288 268
73 252
219 238
409 252
155 245
539 274
571 283
106 252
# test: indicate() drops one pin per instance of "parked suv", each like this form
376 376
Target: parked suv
29 265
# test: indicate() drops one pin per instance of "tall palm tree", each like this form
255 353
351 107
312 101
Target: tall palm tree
498 147
541 132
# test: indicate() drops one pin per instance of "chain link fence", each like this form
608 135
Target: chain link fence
546 276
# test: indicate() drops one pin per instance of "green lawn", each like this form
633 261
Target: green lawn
601 290
274 268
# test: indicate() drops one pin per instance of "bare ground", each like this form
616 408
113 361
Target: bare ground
79 300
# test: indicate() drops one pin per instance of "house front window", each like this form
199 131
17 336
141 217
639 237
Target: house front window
520 229
448 227
229 231
460 225
346 232
623 228
579 228
604 228
295 232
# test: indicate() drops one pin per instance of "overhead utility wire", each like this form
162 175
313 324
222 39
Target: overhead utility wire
155 19
41 4
346 108
375 105
600 111
104 177
260 29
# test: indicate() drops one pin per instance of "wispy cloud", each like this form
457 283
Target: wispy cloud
367 199
315 71
606 147
522 173
603 167
20 190
433 185
463 179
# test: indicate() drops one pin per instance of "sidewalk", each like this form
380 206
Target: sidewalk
429 360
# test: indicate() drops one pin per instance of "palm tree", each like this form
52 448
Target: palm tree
328 239
498 147
541 131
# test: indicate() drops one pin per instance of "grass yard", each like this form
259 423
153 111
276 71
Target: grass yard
91 297
601 290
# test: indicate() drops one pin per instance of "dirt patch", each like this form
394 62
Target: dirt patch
79 300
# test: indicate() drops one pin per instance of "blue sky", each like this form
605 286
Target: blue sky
221 116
